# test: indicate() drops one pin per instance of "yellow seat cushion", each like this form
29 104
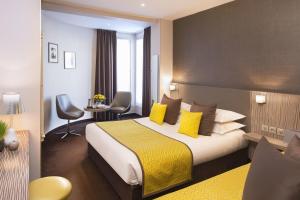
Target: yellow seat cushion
158 112
50 188
189 123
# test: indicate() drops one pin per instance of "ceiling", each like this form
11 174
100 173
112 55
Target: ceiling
108 23
159 9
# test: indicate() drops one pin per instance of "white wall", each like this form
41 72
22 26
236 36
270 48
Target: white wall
77 83
162 45
155 50
20 66
166 56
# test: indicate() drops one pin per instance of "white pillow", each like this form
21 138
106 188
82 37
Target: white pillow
185 106
223 116
222 128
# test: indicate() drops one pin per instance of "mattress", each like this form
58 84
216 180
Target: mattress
126 164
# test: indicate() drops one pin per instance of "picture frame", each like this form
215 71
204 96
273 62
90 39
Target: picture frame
70 60
52 52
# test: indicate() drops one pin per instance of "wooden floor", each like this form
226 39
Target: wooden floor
68 158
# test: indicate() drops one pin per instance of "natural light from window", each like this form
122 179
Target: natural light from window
123 65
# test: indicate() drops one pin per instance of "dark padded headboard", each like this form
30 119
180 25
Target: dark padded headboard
226 98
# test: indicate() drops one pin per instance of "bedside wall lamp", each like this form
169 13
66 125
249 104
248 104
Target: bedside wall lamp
260 99
172 87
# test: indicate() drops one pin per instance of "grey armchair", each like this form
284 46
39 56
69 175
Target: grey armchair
121 103
66 110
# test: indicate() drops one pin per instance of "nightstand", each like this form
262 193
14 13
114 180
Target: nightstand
254 138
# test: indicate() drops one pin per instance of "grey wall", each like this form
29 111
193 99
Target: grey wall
77 83
245 44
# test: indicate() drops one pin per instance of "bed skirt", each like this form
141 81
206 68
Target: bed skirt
200 172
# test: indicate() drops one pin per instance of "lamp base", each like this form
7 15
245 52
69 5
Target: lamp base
10 137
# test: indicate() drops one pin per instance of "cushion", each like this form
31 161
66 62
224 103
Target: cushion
223 116
173 109
293 149
118 109
157 113
289 134
185 106
208 117
272 175
189 123
222 128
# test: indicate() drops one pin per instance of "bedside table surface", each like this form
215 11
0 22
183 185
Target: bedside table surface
14 170
255 137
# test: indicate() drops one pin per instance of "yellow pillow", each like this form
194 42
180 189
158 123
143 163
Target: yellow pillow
158 112
189 123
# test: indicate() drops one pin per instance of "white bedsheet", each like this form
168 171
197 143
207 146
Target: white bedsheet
126 164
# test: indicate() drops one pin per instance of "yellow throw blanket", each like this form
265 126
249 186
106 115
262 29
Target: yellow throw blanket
165 162
226 186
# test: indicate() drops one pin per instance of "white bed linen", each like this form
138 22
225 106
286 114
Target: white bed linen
126 164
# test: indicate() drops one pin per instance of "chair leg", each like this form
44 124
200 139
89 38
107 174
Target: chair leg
68 132
119 116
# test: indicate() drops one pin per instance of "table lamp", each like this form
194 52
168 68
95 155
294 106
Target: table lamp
11 106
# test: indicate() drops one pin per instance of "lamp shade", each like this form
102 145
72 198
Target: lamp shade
260 99
11 103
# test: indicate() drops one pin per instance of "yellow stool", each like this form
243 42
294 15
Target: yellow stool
50 188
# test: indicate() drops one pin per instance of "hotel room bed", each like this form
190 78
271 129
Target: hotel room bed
126 164
212 155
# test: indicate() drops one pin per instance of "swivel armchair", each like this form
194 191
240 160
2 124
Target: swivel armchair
121 103
66 110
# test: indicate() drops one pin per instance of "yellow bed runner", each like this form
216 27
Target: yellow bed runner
226 186
165 162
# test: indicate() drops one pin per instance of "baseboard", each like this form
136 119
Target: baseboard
71 123
129 115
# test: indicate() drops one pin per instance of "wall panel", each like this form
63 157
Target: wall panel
245 44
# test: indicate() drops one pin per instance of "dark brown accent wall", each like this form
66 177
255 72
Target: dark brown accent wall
245 44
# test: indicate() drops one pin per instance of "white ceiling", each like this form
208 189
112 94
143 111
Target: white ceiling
108 23
164 9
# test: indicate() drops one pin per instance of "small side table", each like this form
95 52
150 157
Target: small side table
103 108
254 138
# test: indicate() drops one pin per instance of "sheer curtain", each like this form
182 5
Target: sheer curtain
106 62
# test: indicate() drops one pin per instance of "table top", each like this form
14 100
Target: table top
14 170
102 108
255 137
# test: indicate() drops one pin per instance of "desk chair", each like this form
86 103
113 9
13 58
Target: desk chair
121 103
66 110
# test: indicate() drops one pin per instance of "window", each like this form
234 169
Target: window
139 73
123 65
130 67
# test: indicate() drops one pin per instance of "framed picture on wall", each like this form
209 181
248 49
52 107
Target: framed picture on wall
52 53
70 60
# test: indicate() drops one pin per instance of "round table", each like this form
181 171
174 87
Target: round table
102 108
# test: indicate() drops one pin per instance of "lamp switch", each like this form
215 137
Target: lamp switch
265 128
272 129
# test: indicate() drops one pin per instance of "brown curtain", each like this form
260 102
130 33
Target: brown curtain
147 72
106 66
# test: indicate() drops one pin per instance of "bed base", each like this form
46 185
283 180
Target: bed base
200 172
